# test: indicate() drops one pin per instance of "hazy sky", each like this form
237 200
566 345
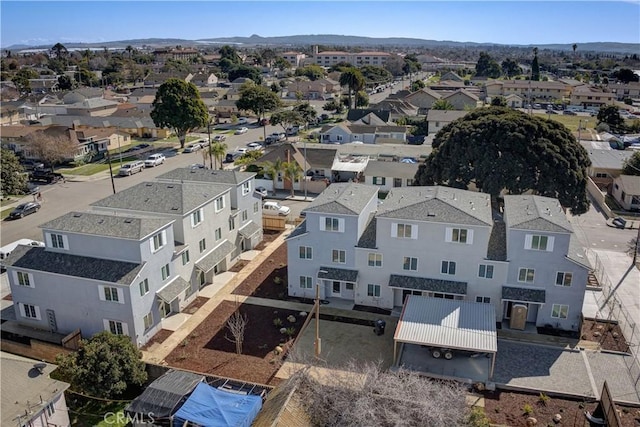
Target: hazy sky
508 22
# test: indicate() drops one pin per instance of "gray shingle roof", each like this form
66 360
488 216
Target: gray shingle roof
173 289
368 237
497 248
341 274
39 259
163 197
426 284
576 252
608 159
437 204
217 255
299 230
249 229
206 175
319 158
391 169
345 198
445 115
523 294
527 212
123 227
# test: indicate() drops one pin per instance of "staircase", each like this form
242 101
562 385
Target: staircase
592 282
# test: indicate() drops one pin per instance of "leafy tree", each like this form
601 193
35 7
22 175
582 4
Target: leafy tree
218 150
13 179
59 51
281 63
631 165
352 78
501 149
21 79
535 67
230 53
104 366
610 114
625 75
65 82
238 71
340 67
334 106
178 106
307 112
498 101
417 85
292 172
487 66
286 118
394 65
362 99
442 104
273 169
312 72
259 100
51 148
510 68
375 75
411 65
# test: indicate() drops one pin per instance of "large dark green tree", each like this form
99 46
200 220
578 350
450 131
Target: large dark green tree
625 75
13 179
238 71
631 165
499 149
352 79
104 366
259 100
21 79
535 67
307 112
610 115
510 68
487 66
178 106
312 72
286 118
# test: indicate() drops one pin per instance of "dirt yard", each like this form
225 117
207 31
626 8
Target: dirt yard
269 280
607 334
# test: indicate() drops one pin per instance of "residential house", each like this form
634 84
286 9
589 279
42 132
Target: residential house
20 139
624 91
389 175
10 115
626 191
13 137
101 139
82 94
606 165
514 101
237 83
398 108
451 76
423 99
177 54
342 133
226 108
156 79
94 107
441 243
30 397
363 116
437 119
204 79
136 125
312 90
528 89
142 98
588 96
293 58
462 100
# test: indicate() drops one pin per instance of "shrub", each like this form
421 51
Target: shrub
543 399
477 418
290 331
277 322
277 280
527 409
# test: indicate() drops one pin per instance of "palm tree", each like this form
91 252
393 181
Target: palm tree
574 47
218 150
292 172
273 169
353 79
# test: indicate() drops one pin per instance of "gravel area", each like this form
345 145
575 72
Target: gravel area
613 368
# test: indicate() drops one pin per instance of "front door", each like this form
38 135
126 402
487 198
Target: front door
397 182
201 279
335 289
518 317
165 309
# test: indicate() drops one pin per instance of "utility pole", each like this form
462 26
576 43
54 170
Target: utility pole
317 342
209 135
113 184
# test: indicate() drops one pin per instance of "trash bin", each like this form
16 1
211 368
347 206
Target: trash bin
379 327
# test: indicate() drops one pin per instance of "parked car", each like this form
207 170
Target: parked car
6 250
32 164
242 121
131 168
241 131
254 146
32 188
262 191
619 222
278 136
24 209
219 138
192 148
197 166
45 175
231 157
264 122
569 113
154 160
242 150
275 208
293 130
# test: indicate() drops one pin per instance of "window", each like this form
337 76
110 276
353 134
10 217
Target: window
164 271
219 204
185 257
538 243
564 279
30 311
349 286
559 311
332 224
245 215
338 256
306 282
485 300
51 409
116 327
232 223
246 188
144 287
202 244
218 233
448 267
375 260
158 241
111 294
410 263
57 241
305 252
148 320
458 235
373 291
379 180
403 231
486 271
24 279
196 217
526 275
256 207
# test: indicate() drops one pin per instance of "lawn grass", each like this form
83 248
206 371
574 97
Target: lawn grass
174 139
87 412
572 122
93 168
5 213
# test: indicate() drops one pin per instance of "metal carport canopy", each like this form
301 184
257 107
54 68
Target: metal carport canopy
445 323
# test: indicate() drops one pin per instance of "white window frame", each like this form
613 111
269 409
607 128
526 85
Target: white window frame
20 277
232 223
148 320
143 286
408 263
111 294
246 188
185 257
338 256
58 241
218 233
331 224
256 207
534 242
245 215
165 272
379 180
202 244
527 272
197 217
306 282
376 261
219 204
561 278
411 228
488 271
158 241
305 252
449 266
29 311
560 311
373 290
109 323
485 300
459 235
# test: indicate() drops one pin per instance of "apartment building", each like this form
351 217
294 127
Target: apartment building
441 242
330 58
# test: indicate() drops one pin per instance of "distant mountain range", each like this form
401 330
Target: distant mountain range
338 40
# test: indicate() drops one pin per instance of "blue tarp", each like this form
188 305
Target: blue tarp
210 407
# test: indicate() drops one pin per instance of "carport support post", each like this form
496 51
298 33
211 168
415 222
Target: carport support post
317 343
493 364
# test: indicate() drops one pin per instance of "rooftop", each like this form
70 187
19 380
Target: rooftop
527 212
343 198
214 176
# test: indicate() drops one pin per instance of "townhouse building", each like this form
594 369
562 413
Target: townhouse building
330 58
135 258
441 242
528 89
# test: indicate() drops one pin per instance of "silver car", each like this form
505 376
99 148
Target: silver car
131 168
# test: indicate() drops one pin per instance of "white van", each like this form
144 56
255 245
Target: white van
5 251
